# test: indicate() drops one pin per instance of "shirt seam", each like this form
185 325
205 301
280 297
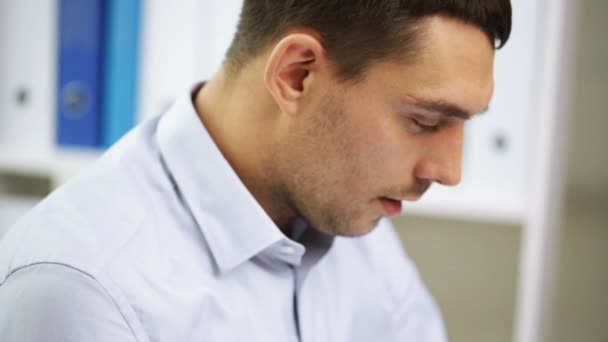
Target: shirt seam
87 274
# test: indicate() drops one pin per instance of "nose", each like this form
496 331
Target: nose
443 161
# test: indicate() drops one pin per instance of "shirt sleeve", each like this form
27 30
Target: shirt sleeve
51 302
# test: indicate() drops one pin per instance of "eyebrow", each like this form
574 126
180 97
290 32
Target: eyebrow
442 107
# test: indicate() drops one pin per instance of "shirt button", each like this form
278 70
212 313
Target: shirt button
287 249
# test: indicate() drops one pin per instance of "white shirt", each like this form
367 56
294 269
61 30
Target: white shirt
160 241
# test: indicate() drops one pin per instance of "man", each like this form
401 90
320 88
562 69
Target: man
253 209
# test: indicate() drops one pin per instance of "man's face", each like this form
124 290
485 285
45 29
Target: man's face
355 150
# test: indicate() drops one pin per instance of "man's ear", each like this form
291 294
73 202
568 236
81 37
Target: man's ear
289 66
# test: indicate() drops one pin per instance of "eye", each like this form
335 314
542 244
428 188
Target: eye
427 127
422 123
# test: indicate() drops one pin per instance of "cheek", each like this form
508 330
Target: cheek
377 160
387 149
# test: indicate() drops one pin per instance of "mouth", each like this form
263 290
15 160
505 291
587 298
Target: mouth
391 206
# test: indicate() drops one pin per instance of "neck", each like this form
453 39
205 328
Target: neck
244 121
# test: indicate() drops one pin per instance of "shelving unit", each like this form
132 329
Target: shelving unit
59 165
469 205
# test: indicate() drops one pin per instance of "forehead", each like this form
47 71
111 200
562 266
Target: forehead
454 65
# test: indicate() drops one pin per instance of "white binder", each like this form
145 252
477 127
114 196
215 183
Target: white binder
169 55
27 84
498 145
183 42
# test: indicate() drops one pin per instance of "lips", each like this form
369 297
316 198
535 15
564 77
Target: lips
391 206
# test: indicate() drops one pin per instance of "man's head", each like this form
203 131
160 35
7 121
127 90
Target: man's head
367 100
356 33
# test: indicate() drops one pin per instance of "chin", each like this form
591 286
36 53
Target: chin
358 229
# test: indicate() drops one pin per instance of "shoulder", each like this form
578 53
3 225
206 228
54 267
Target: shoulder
85 222
51 302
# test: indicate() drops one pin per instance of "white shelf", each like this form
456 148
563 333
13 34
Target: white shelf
469 204
58 164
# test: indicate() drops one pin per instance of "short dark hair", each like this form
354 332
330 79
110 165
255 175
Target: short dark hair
356 33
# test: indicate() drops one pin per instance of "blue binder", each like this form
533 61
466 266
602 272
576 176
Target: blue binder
80 72
120 74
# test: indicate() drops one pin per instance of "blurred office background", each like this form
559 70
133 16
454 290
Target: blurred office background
470 260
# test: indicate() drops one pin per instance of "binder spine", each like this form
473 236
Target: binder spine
80 65
120 74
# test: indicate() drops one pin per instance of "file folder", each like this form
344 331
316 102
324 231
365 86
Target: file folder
120 72
27 81
80 58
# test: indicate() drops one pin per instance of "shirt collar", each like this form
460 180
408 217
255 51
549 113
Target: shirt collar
235 226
